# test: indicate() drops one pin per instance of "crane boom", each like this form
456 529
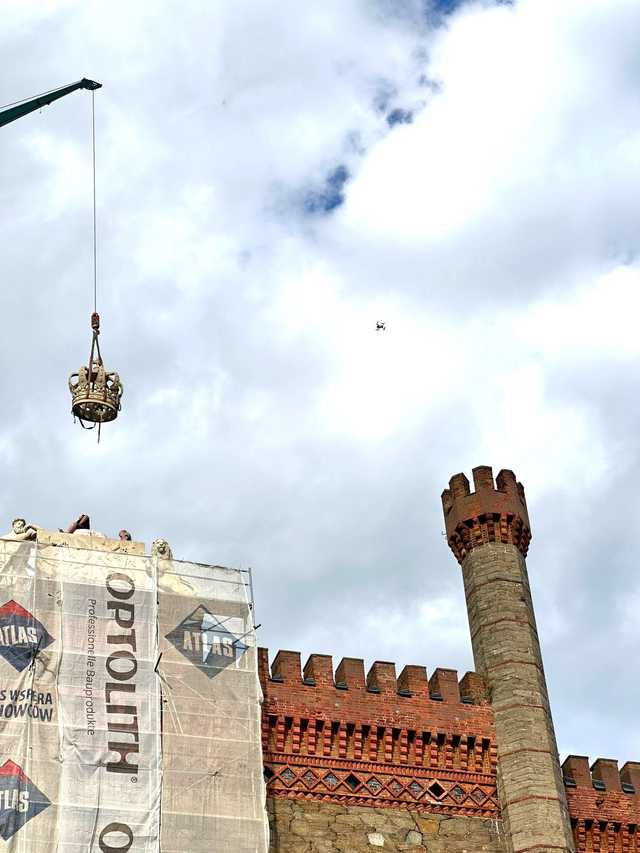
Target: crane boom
29 106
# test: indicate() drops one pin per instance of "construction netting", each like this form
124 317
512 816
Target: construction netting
129 705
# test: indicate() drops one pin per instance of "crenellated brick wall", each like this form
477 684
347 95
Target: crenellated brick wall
406 742
604 804
410 744
411 756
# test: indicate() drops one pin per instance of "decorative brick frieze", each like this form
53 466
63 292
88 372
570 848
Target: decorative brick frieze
492 513
374 785
407 742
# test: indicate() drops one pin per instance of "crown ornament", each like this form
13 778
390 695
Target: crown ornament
96 393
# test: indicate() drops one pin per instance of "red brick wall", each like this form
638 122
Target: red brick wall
605 817
408 742
378 741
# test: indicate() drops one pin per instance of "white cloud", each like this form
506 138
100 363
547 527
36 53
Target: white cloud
265 421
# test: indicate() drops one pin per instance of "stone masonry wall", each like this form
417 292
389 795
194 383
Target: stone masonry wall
507 651
308 827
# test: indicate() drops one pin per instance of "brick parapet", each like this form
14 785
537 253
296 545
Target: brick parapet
376 745
378 740
604 803
492 513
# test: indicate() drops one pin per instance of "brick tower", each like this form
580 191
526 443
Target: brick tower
488 532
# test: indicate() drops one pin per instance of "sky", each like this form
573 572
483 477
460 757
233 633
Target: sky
273 179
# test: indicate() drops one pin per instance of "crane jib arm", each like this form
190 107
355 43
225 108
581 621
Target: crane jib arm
29 106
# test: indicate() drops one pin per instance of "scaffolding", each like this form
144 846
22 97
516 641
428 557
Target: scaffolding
129 702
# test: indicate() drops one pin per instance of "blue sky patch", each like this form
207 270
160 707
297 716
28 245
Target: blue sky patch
446 7
331 195
399 116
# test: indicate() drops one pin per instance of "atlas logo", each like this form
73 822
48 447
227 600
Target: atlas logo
21 635
206 642
20 800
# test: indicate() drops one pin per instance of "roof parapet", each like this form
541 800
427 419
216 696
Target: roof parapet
381 680
602 775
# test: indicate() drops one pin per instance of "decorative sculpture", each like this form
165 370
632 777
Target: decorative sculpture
96 394
161 548
21 531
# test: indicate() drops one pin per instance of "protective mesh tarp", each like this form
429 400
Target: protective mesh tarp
213 793
129 705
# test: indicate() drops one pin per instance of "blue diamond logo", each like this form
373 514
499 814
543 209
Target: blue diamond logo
20 800
205 641
21 635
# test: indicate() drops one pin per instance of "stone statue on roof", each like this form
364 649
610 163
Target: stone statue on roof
21 531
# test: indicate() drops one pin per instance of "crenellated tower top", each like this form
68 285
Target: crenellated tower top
492 513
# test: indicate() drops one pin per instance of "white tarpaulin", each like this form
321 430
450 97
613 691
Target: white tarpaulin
129 705
213 794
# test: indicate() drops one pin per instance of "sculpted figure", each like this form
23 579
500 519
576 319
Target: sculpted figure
83 376
100 382
161 548
116 384
82 380
21 531
82 525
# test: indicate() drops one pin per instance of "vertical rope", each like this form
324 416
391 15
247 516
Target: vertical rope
95 251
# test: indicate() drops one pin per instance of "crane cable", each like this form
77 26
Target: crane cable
31 98
93 147
95 317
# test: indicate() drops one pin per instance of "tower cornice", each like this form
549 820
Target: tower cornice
492 513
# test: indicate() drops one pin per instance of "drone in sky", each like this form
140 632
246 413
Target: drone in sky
380 327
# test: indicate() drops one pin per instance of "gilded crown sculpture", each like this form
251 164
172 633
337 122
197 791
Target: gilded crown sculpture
96 393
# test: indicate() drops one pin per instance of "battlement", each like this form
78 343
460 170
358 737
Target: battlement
379 683
603 775
604 803
351 736
494 512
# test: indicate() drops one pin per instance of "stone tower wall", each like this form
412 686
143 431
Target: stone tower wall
488 531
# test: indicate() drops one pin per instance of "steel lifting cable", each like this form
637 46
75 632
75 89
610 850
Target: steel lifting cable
95 242
95 317
31 98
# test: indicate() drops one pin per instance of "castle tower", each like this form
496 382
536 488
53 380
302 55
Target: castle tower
488 532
